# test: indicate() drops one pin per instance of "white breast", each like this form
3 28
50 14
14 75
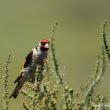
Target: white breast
38 56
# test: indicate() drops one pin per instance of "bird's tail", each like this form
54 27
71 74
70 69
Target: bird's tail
18 78
16 90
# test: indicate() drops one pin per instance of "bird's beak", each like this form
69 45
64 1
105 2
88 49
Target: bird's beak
46 46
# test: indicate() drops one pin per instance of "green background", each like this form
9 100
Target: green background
78 37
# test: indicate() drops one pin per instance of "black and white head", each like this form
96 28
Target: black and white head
43 45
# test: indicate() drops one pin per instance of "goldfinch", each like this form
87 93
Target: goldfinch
35 57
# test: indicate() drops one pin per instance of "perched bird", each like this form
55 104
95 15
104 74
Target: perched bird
35 57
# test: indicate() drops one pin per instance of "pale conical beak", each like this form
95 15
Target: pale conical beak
46 45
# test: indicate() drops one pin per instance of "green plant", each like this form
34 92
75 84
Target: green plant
5 84
49 84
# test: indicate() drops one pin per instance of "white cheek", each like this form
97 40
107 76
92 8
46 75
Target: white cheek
39 44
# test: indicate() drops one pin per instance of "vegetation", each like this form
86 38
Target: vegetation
49 92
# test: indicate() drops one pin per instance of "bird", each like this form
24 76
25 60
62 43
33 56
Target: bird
36 56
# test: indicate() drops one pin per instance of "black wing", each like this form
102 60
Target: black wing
28 59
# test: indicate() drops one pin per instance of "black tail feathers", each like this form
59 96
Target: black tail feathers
14 95
18 78
16 90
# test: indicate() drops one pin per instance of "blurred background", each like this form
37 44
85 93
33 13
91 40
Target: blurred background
78 37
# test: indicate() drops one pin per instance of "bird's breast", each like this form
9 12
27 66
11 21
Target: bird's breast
38 57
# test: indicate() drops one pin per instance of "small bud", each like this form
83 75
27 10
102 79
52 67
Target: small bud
66 88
